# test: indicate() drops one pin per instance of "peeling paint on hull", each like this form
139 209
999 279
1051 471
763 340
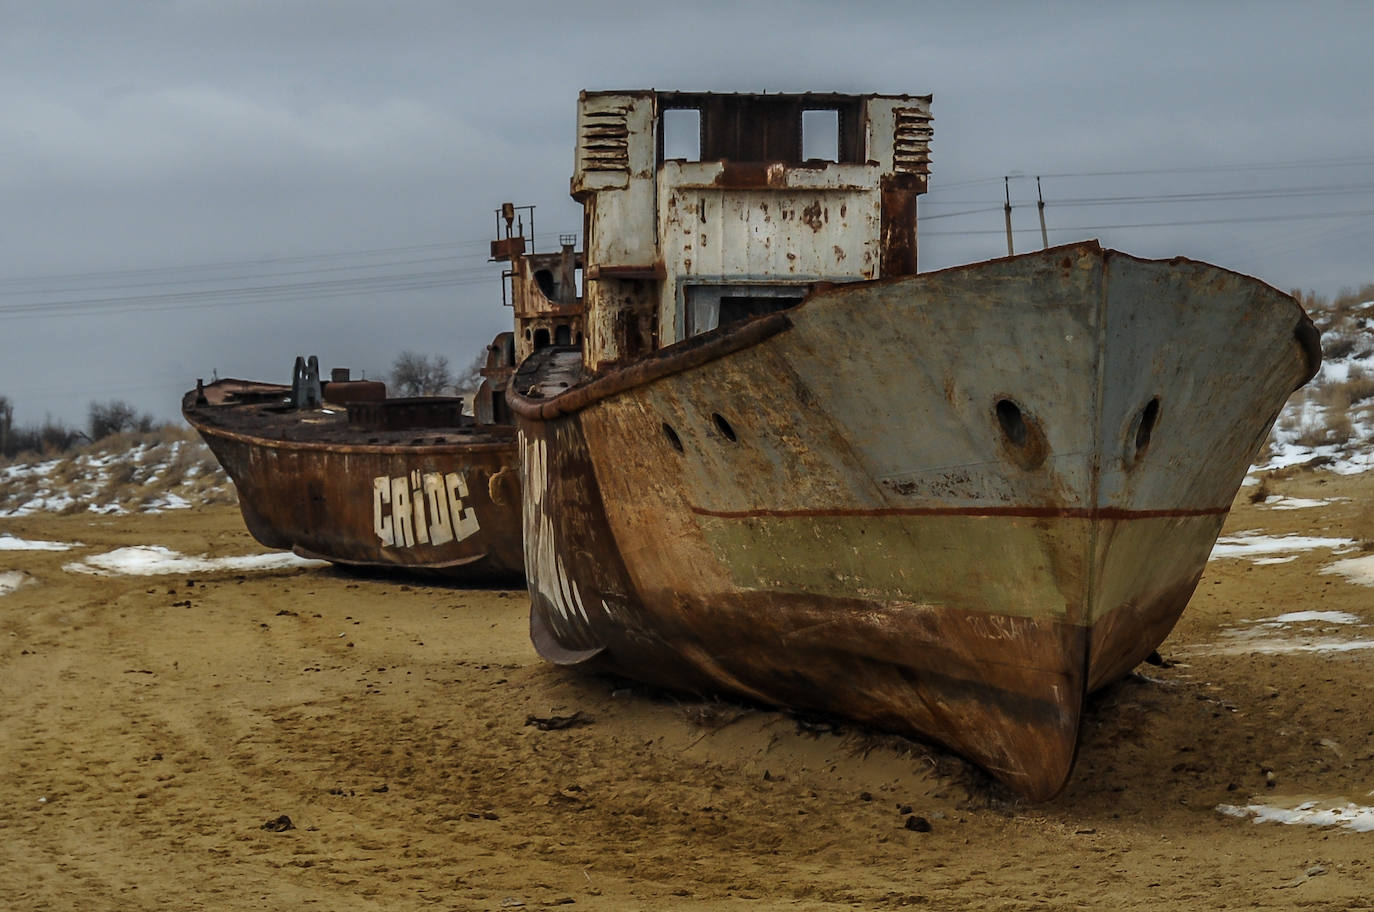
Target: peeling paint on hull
948 505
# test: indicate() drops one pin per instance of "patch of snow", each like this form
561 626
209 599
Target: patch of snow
11 580
168 501
1358 570
33 470
1304 617
1277 636
1349 816
155 560
1280 502
1250 545
9 542
1255 645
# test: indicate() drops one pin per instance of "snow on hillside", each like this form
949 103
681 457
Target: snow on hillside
1330 422
166 469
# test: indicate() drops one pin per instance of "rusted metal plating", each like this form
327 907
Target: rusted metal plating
362 480
950 504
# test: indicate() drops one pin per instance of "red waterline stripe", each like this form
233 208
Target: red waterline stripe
1030 512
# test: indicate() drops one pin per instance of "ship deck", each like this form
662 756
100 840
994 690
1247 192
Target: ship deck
258 411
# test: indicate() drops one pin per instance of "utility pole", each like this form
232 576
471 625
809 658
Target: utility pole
1044 235
1006 185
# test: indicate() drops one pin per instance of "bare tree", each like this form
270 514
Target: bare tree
471 377
6 422
414 374
115 417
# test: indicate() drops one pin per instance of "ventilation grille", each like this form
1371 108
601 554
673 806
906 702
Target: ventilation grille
605 140
911 141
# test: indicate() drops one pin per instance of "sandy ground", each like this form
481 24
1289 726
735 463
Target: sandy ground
151 726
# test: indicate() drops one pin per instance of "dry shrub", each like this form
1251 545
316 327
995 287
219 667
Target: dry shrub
1311 434
183 459
67 473
1359 385
118 480
1339 428
1334 397
1336 346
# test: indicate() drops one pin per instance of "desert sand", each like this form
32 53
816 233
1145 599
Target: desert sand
310 738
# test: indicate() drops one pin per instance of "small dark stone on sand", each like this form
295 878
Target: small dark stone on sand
279 824
556 723
918 824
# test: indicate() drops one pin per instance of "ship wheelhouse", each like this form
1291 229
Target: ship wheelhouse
704 209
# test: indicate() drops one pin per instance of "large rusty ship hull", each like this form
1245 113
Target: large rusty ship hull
435 501
949 505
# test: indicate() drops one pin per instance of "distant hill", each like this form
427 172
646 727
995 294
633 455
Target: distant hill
169 468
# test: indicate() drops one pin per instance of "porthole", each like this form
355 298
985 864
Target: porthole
1141 431
1013 424
673 439
1148 416
724 427
1022 438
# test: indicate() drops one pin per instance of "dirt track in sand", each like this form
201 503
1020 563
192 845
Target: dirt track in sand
151 726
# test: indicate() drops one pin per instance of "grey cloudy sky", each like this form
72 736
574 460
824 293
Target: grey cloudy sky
219 185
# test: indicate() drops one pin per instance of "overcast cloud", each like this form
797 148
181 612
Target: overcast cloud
193 187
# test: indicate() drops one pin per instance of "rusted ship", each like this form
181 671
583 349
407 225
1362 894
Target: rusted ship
334 469
785 465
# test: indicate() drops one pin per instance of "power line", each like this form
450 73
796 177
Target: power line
1179 224
237 263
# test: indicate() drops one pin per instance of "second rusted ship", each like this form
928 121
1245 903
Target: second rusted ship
785 465
334 469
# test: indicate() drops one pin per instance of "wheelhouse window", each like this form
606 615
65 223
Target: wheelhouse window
821 135
681 134
713 306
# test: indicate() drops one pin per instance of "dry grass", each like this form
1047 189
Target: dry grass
1335 346
1359 385
132 470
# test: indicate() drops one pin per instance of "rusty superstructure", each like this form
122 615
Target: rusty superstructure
784 465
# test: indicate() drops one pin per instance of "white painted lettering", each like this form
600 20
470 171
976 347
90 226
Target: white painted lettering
464 519
436 499
422 508
417 504
381 519
400 513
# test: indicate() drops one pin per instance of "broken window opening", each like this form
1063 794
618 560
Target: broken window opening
681 134
711 306
821 135
544 279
